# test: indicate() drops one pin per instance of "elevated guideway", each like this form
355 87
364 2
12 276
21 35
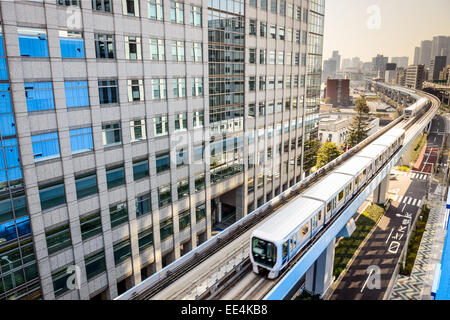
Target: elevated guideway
220 268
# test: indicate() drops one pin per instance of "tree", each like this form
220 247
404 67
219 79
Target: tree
310 155
327 153
359 128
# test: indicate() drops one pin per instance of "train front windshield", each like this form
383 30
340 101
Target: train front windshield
264 252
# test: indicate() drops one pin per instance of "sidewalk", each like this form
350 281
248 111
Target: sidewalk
418 285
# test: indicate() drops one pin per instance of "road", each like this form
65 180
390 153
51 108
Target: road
370 273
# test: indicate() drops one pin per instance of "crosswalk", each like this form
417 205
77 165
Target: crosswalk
413 175
407 200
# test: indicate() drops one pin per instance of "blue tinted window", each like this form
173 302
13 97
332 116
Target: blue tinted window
32 42
3 69
8 229
45 146
108 91
77 94
115 177
72 48
11 169
39 96
81 140
5 99
52 196
7 125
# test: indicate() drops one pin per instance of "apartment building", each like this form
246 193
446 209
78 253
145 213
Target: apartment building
134 130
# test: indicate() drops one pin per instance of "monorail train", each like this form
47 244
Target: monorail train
416 107
277 241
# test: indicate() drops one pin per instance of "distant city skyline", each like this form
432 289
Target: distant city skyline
365 28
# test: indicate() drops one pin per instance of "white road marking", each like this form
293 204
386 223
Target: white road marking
390 235
400 199
419 202
413 203
404 200
362 289
409 201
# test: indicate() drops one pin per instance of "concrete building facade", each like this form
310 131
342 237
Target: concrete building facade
133 130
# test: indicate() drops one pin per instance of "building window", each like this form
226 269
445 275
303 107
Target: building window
252 27
252 84
161 127
283 7
197 87
58 238
273 32
262 82
81 140
140 170
86 185
157 51
60 281
196 16
90 225
52 195
95 265
133 48
182 157
119 214
68 2
143 204
138 131
271 83
262 29
72 44
45 146
197 52
77 94
183 188
164 195
145 239
166 228
135 90
252 55
159 89
115 177
102 5
104 46
262 56
198 119
177 50
281 33
181 122
108 91
179 87
263 4
130 7
162 162
184 219
122 251
199 182
272 58
176 12
280 82
39 96
199 152
32 42
156 9
200 212
273 6
112 135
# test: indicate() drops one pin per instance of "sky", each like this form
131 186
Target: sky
365 28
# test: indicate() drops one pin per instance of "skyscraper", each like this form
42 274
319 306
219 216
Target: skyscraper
401 62
440 46
337 57
133 133
425 53
437 64
416 55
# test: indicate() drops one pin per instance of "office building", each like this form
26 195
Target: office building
425 53
415 76
437 64
401 62
134 129
337 92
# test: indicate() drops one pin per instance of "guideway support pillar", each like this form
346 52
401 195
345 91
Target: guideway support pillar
379 194
319 276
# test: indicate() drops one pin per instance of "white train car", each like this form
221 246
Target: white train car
416 107
279 239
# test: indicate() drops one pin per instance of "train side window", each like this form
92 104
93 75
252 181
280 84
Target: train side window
320 214
304 230
295 240
341 196
285 251
329 206
356 180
